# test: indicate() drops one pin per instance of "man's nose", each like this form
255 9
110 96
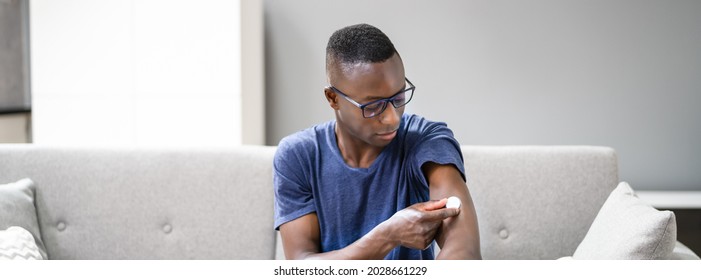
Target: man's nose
390 115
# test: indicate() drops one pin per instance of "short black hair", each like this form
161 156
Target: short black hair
357 44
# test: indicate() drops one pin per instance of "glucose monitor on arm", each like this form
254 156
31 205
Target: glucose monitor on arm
453 202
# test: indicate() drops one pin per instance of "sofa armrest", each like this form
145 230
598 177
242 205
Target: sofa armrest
681 252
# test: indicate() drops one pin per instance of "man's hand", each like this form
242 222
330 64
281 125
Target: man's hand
416 226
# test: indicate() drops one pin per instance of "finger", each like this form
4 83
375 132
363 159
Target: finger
431 236
434 204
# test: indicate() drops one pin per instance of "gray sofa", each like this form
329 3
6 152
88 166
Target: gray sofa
532 202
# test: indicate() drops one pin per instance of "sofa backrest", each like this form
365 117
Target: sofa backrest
131 203
532 202
537 202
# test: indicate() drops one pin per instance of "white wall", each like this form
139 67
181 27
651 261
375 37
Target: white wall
622 73
139 72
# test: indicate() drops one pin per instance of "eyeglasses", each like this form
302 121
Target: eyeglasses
376 107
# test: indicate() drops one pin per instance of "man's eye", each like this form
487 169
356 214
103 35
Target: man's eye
374 106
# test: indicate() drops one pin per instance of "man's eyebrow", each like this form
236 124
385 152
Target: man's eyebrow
373 98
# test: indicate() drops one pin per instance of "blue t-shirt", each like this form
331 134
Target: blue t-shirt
310 175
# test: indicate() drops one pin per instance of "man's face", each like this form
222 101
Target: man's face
364 83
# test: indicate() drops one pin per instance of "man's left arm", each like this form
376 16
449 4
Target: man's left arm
458 237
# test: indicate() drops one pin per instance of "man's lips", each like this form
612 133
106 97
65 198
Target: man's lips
387 135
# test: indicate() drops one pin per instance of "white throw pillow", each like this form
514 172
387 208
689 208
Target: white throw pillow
628 228
17 243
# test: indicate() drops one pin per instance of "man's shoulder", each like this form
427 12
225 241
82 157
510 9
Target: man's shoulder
304 140
421 126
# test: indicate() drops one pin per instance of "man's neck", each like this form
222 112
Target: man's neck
355 153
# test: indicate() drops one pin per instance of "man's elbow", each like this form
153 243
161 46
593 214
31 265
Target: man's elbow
459 254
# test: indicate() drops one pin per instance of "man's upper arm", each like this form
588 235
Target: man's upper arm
301 237
295 214
458 236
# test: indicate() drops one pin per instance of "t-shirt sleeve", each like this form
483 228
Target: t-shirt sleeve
293 194
437 144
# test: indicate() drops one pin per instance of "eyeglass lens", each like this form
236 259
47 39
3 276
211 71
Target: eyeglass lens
399 100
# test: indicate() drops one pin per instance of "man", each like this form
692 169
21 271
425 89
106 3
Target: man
373 183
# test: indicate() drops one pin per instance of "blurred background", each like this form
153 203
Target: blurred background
619 73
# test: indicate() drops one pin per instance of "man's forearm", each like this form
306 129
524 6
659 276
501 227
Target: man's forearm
412 227
376 244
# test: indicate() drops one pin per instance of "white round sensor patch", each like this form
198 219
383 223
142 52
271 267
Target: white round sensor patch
453 202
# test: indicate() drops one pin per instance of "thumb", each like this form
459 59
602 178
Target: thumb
442 214
435 204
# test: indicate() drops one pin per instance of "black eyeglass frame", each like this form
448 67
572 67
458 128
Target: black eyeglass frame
390 99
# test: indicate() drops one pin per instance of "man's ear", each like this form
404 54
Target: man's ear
331 97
